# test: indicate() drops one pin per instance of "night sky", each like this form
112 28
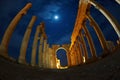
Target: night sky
59 17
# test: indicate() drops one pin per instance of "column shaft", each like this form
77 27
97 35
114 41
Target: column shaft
54 59
44 53
71 53
84 46
68 58
109 17
80 53
98 32
76 54
90 41
26 40
40 55
47 56
34 47
73 59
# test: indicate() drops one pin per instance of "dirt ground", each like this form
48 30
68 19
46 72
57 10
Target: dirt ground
104 69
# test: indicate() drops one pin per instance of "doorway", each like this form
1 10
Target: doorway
61 56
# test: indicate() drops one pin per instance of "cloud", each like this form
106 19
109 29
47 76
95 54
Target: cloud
65 39
49 11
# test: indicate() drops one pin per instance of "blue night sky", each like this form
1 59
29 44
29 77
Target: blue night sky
58 29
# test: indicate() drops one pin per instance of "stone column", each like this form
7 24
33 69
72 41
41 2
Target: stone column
73 60
75 54
51 58
109 17
44 53
9 31
90 41
68 58
47 56
34 47
84 46
40 55
80 52
98 32
54 60
25 41
118 1
71 56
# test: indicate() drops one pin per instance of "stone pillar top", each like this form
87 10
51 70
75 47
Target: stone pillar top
44 36
42 30
42 26
26 8
32 22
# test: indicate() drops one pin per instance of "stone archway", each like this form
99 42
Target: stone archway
61 57
57 47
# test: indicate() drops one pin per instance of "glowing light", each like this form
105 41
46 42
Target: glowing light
59 66
84 59
64 67
56 17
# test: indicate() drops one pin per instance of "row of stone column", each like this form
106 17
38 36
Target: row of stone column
78 51
39 36
9 31
80 40
81 49
43 46
24 45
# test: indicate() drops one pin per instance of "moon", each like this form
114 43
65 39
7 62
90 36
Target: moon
56 17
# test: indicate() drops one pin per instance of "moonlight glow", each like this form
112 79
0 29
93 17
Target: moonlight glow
56 17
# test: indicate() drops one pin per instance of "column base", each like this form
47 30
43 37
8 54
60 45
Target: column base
118 42
3 52
33 65
40 65
91 60
22 61
105 53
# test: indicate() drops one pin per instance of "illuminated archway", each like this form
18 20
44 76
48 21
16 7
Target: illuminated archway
61 58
